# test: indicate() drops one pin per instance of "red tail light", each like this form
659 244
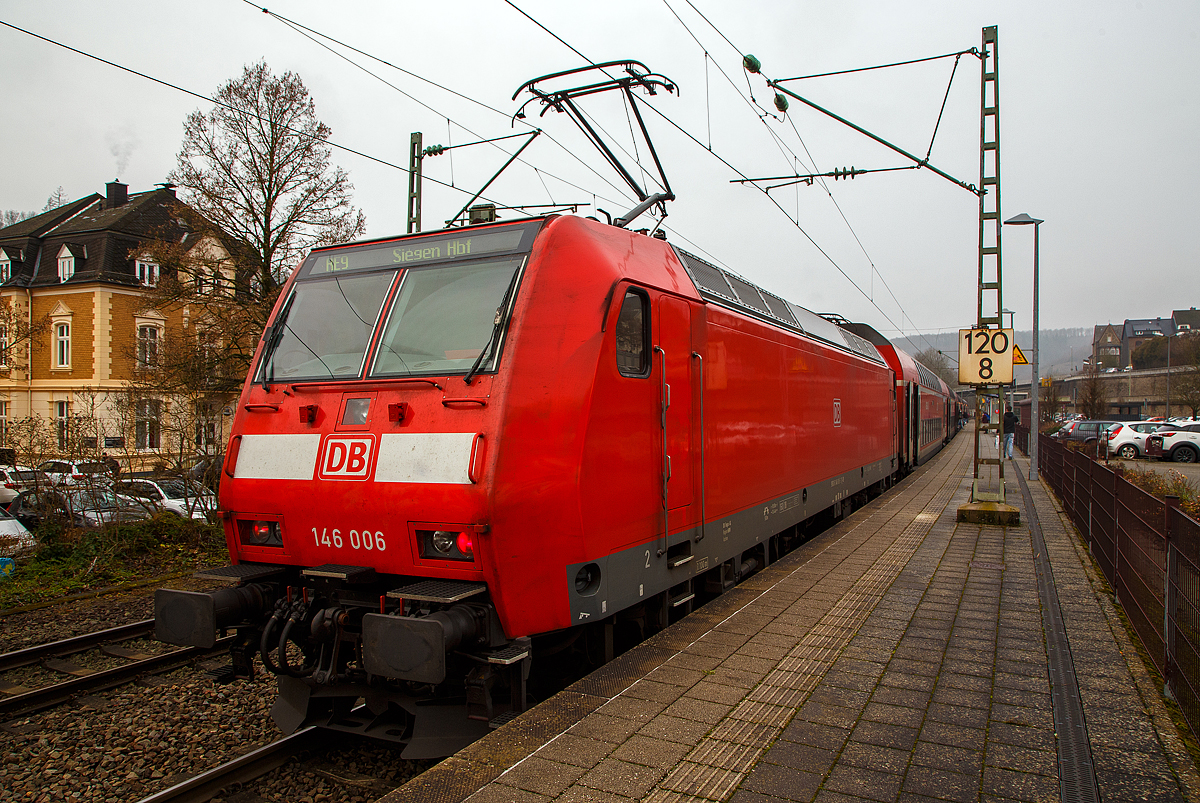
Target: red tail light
78 476
465 545
1112 433
10 485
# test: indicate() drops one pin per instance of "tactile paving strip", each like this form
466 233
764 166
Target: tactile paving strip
775 700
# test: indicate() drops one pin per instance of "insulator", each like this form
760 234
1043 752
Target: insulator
751 64
781 102
434 150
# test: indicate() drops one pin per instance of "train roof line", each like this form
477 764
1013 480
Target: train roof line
733 292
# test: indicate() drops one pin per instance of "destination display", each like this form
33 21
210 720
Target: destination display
412 253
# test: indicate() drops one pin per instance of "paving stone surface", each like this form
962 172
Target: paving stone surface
900 656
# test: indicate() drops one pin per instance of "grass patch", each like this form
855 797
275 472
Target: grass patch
70 560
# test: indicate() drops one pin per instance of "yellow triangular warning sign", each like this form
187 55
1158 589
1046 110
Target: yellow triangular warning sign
1019 356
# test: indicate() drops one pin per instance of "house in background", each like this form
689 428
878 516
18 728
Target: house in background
76 274
1185 320
1137 331
1106 347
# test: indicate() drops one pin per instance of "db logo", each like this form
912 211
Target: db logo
837 412
346 458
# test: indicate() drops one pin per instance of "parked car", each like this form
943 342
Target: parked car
94 507
207 471
1128 440
40 506
1083 430
14 537
83 507
67 472
181 497
14 479
1178 444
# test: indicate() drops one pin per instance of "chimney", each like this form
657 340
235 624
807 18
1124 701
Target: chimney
118 194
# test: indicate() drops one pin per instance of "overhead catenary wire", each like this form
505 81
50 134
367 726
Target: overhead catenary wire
310 33
316 37
728 164
215 102
824 185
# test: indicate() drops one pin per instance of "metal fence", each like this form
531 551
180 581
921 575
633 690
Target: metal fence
1149 551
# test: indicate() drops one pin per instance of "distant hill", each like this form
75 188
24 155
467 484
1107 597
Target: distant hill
1062 350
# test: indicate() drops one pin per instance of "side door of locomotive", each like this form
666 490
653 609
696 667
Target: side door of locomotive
677 371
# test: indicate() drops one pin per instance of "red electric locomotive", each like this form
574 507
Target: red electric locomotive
457 449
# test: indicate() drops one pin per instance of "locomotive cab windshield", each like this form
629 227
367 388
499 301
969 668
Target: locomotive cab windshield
439 301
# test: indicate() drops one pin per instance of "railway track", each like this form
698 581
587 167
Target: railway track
241 770
18 699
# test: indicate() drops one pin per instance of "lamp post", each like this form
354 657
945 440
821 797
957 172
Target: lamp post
1034 385
1012 324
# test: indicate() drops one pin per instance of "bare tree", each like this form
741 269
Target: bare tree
11 216
1094 399
260 192
56 199
1050 404
1185 389
257 168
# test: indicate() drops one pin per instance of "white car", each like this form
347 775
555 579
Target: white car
14 479
1127 440
91 473
183 498
14 538
1181 444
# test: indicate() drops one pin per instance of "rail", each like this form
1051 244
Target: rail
1149 551
241 770
18 700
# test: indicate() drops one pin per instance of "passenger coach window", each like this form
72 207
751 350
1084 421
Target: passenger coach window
633 335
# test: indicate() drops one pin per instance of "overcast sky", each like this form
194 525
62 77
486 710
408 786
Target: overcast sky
1099 117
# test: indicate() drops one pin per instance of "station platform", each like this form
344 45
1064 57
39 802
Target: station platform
899 656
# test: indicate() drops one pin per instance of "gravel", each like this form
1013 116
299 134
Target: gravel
133 741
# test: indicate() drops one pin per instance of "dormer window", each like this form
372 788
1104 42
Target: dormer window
66 263
6 261
147 272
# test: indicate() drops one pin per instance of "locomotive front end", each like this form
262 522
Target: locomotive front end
355 495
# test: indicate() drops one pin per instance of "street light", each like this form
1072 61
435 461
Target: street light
1012 324
1035 423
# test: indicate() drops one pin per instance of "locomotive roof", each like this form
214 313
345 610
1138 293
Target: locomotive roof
725 289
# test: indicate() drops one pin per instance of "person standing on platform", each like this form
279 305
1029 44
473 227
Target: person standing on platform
1008 428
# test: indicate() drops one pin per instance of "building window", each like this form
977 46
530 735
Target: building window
3 346
4 422
147 424
147 347
206 426
147 272
66 263
62 420
5 270
62 345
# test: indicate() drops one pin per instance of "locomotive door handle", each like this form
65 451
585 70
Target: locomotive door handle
235 446
477 451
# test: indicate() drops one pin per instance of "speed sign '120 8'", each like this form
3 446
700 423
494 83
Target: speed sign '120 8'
985 356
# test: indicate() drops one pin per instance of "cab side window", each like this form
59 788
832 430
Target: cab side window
633 335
